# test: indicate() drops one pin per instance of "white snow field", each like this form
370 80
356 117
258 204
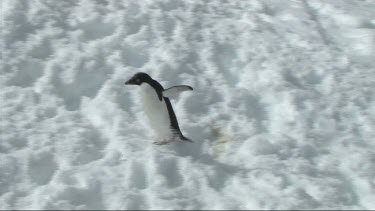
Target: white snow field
282 114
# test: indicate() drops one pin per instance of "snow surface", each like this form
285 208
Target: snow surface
282 112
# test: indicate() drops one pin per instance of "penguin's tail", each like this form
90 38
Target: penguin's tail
182 137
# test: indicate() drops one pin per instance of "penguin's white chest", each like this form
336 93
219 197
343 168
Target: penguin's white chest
157 112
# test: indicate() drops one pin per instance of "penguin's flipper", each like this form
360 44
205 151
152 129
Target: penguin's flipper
175 90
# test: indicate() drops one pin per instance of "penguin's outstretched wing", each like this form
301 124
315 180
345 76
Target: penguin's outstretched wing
175 90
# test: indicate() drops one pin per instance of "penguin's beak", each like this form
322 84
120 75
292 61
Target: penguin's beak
130 82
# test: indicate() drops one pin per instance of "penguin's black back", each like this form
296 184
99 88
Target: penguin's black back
172 116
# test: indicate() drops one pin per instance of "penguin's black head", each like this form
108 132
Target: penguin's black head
138 79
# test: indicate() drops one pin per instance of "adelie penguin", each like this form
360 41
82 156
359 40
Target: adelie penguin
158 108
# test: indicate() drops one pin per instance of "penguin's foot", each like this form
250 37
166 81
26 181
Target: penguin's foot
162 142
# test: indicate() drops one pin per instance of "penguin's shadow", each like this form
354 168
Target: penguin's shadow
222 172
186 149
191 149
195 151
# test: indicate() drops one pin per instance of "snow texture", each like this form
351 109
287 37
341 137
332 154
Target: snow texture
282 112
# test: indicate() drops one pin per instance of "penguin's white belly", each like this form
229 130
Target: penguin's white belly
156 112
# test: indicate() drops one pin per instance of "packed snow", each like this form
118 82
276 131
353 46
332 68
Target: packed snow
282 114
